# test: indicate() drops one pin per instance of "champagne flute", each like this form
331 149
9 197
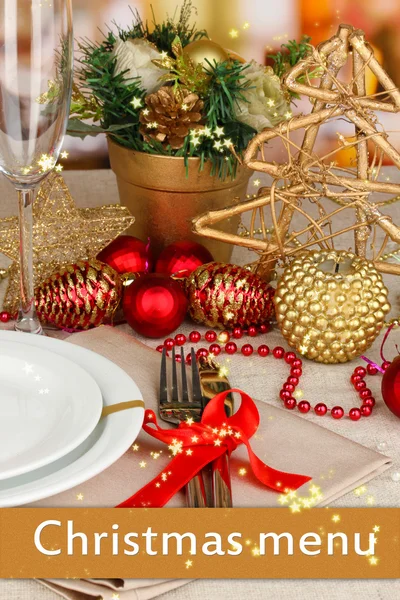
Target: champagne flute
36 65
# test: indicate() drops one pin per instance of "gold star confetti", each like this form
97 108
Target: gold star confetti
136 103
189 452
219 131
246 25
58 168
135 447
292 494
360 490
373 560
189 421
283 499
158 484
256 182
217 442
62 234
271 102
218 145
295 507
164 476
242 471
376 529
336 518
288 114
255 551
370 500
115 597
184 107
238 435
189 563
145 111
64 154
315 489
142 464
195 439
234 33
223 371
46 163
79 497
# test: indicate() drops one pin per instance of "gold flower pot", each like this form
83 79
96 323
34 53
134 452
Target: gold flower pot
164 199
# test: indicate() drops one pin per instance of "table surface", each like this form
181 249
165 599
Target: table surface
321 383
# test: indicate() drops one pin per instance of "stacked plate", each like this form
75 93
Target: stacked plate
52 437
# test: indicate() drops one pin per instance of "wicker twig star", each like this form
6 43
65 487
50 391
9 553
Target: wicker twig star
306 175
62 234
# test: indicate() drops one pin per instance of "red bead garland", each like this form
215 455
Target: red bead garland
294 362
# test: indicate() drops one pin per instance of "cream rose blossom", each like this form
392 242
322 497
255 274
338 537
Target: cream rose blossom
266 103
135 57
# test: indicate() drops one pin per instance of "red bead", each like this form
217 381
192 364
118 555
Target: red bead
169 343
154 305
247 350
215 349
202 352
385 365
263 328
160 348
337 412
290 357
360 385
293 380
355 378
180 339
297 363
296 371
304 406
252 331
370 401
194 337
182 258
365 393
263 350
210 336
178 358
320 409
237 333
4 316
371 369
289 387
355 414
360 371
366 410
278 352
290 403
283 394
188 359
127 254
230 348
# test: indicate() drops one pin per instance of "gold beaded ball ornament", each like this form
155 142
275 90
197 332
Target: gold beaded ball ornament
331 305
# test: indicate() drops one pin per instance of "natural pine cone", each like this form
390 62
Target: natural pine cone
170 115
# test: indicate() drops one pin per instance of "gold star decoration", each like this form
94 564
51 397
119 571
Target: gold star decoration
62 234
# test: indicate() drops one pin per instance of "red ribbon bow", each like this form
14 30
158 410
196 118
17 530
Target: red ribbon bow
194 445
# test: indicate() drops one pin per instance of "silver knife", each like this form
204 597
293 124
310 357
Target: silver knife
212 383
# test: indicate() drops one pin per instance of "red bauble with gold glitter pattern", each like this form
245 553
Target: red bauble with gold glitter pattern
154 305
79 296
127 254
182 258
224 296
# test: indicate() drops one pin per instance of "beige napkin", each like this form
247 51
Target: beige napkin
284 440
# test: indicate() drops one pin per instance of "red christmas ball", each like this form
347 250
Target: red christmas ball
337 412
182 258
127 254
290 403
304 406
320 409
391 386
154 305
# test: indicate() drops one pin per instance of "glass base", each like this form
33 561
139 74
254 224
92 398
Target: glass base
28 324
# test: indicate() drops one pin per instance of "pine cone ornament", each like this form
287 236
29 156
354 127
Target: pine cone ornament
330 306
223 296
170 115
79 296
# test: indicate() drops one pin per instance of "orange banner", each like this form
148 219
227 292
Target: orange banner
200 543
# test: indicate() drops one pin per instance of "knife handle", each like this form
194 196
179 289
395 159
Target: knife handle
221 482
196 496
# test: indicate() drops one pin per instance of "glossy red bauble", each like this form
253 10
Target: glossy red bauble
180 339
127 254
210 336
304 406
182 258
320 409
247 350
337 412
278 352
154 305
391 386
194 337
290 403
230 348
355 414
263 350
215 349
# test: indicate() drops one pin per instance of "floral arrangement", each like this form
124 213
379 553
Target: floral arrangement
170 90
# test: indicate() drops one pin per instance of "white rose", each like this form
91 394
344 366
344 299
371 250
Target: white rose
266 103
135 57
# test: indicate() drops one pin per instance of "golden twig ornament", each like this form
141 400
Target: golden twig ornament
62 234
305 175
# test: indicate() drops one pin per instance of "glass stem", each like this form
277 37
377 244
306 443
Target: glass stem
27 319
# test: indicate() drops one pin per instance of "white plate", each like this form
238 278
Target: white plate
109 440
48 406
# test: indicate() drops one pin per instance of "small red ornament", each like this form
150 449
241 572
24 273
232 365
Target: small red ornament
304 406
4 316
391 386
154 305
320 409
263 350
355 414
127 254
337 412
278 352
290 403
247 350
182 258
230 348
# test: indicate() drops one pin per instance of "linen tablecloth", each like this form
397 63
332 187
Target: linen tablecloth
330 383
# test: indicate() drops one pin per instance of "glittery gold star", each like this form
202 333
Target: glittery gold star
189 563
62 234
79 497
336 518
142 464
376 529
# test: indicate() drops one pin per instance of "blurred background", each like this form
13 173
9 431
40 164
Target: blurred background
254 29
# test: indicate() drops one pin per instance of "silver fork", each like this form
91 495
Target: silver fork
177 408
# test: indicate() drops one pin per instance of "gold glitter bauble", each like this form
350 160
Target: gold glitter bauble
202 51
331 305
